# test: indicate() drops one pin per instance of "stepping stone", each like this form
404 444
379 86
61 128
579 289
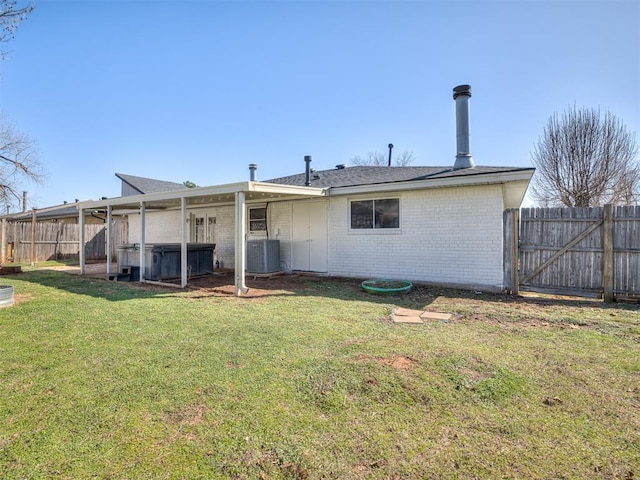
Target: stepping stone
404 319
405 312
435 316
404 315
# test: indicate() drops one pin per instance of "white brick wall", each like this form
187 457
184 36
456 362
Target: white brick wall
279 224
224 234
448 236
160 227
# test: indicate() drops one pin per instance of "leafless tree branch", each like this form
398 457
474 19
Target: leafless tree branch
18 162
379 159
10 17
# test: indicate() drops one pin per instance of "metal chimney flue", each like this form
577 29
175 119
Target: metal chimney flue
252 172
24 201
461 95
307 170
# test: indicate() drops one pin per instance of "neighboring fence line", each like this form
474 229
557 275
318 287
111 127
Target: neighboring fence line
42 241
576 251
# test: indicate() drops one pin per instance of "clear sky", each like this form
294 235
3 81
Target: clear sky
197 90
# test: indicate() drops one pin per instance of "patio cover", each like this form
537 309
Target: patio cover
237 194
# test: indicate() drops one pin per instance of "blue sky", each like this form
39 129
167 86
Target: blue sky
197 90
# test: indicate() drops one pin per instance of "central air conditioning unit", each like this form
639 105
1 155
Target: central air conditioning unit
263 256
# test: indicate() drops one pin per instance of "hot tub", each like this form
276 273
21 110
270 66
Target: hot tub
163 260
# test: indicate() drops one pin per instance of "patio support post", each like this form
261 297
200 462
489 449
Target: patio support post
142 240
183 246
240 250
109 241
81 240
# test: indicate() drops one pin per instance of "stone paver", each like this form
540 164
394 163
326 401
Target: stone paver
406 315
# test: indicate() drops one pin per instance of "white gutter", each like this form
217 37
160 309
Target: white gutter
240 253
184 234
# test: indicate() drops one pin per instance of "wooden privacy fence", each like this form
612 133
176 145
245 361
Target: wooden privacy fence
41 241
574 251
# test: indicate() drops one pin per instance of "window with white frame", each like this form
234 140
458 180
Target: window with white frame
375 214
257 219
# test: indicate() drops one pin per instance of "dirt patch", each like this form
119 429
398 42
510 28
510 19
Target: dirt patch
21 298
473 375
222 285
398 362
191 415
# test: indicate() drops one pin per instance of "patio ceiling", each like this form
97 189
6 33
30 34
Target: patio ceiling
201 196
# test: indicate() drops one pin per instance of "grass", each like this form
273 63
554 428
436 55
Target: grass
312 380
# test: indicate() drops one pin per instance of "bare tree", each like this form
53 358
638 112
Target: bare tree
379 159
585 159
18 162
18 154
10 16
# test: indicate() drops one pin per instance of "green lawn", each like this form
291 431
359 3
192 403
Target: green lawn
110 380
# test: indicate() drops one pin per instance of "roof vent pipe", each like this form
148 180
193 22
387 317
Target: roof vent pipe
307 170
24 201
462 94
252 172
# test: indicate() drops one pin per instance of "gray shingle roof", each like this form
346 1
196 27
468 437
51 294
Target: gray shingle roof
149 185
352 176
61 211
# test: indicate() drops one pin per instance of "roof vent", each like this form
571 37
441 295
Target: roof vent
462 94
342 166
252 172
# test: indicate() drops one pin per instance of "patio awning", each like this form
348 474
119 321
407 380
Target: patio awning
237 194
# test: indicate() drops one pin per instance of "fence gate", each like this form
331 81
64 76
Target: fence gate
579 251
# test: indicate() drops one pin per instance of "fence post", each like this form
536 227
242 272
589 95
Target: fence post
3 242
16 243
32 253
607 255
511 236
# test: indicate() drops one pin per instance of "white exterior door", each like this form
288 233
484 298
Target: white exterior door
309 237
